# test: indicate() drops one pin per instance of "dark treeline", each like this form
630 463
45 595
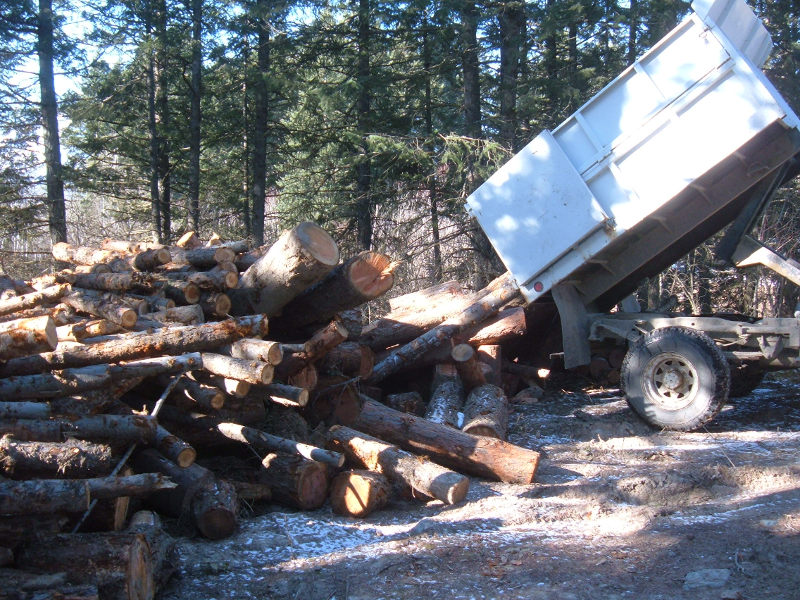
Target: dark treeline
374 119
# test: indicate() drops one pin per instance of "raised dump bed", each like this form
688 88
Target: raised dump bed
655 163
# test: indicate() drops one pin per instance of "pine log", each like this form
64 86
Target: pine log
300 258
182 292
77 332
507 324
34 299
162 546
174 340
336 400
70 459
306 378
101 306
82 255
251 491
296 481
491 356
17 584
174 448
287 395
446 293
71 381
410 402
205 397
27 336
73 495
314 349
108 282
110 428
466 362
120 564
189 240
215 305
348 358
502 289
186 315
362 278
253 371
474 455
358 493
447 397
252 349
17 529
214 279
129 247
24 410
353 322
417 472
206 258
212 504
486 412
264 443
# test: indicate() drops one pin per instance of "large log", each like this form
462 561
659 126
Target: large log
71 459
182 292
446 294
417 472
27 336
265 443
73 495
486 412
491 357
300 258
361 278
82 255
104 307
71 381
174 340
108 282
107 428
24 410
211 504
475 455
336 400
26 301
358 493
296 481
77 332
500 291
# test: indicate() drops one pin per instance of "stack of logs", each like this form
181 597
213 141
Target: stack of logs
191 379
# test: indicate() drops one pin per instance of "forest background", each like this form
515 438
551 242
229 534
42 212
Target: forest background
374 119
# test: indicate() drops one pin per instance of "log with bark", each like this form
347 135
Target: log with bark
70 459
299 258
359 279
265 443
417 472
486 412
27 336
34 299
173 340
287 395
348 358
358 493
410 402
491 356
319 344
447 396
253 349
296 481
469 369
335 400
24 410
252 371
474 455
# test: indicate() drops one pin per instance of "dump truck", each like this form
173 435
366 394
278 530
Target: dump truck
689 140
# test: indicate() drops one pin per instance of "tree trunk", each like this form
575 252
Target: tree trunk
480 456
264 443
491 357
486 412
512 31
471 69
175 340
358 493
107 428
445 293
287 395
296 481
259 120
418 473
364 202
195 117
56 208
300 258
101 306
152 127
163 119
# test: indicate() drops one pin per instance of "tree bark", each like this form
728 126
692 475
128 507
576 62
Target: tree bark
296 481
260 120
512 31
468 367
26 301
409 402
335 401
107 428
102 307
358 493
254 372
287 395
471 69
195 118
264 443
491 358
175 340
253 349
71 459
480 456
447 397
418 473
486 412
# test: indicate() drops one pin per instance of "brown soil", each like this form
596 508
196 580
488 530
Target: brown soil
618 511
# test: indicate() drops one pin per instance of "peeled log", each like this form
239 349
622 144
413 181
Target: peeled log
486 412
417 472
27 336
300 258
264 443
73 495
362 278
296 481
174 340
480 456
71 459
358 493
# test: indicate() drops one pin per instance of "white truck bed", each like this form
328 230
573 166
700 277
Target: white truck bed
645 144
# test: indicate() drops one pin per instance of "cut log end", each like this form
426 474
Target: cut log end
359 493
372 275
318 243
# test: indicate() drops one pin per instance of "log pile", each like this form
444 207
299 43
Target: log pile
190 378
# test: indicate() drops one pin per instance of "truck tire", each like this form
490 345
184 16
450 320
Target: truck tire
675 378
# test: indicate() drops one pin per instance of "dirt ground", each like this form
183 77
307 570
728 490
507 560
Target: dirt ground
618 511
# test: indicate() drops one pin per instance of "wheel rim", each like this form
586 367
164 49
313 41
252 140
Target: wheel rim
671 381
